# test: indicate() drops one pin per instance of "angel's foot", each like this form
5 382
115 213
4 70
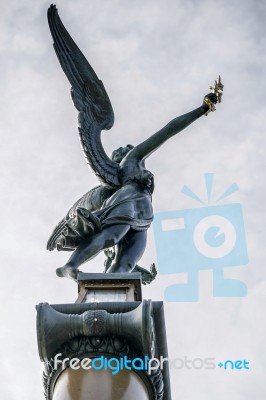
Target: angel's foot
67 272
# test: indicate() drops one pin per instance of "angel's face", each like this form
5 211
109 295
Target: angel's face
120 153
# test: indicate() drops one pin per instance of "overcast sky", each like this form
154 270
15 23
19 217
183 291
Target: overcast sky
157 60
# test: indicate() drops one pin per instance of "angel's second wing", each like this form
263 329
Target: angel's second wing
69 232
89 97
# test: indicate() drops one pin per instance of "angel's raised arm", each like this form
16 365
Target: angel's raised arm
146 148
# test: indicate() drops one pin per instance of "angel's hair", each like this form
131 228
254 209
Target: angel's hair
121 152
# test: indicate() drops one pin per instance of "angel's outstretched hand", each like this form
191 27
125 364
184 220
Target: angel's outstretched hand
209 102
211 97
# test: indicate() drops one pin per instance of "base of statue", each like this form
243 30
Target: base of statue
110 344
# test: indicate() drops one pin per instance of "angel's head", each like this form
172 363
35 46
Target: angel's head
119 154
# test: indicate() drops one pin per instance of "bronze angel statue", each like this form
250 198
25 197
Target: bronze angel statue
118 212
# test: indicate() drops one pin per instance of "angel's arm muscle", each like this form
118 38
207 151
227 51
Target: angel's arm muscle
146 148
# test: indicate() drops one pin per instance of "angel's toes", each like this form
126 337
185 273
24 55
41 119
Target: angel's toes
67 272
60 272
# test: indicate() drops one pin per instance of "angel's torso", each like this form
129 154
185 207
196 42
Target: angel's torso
135 172
133 199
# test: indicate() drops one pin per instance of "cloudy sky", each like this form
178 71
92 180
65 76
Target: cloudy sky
157 60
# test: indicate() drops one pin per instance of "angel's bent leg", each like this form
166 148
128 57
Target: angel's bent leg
129 252
87 250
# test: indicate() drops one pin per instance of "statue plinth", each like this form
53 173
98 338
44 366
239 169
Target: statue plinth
109 287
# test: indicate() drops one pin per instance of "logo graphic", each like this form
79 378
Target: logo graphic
231 364
210 237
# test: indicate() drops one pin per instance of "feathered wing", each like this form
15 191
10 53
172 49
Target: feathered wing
90 99
79 221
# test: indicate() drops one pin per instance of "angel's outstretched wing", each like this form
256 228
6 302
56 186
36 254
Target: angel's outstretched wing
70 230
89 97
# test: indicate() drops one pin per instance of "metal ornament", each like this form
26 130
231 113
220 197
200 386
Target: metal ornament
55 328
217 89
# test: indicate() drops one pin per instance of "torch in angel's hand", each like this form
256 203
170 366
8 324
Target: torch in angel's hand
217 89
